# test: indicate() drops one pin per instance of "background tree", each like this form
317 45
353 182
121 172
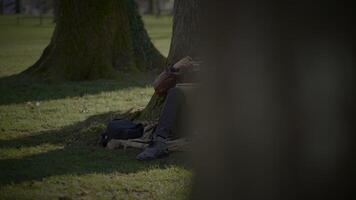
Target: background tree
157 7
150 7
184 42
94 38
17 6
1 7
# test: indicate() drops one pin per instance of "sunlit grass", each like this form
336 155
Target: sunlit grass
49 132
21 45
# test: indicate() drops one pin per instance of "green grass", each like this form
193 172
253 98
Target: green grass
49 132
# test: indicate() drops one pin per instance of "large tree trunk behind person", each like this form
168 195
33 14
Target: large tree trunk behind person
184 42
94 38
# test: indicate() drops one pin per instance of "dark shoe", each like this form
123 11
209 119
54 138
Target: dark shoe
154 151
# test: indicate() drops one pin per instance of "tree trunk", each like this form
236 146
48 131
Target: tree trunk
92 39
18 6
55 10
280 79
150 7
184 42
1 7
186 28
157 6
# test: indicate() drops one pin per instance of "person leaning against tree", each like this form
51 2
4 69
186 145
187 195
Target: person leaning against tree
177 82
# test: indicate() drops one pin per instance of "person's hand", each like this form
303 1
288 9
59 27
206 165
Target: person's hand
184 63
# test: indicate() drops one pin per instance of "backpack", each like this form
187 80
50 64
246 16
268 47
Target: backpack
122 129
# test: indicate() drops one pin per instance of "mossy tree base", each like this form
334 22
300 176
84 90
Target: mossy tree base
93 39
153 109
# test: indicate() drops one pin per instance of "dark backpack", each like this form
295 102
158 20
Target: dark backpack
122 129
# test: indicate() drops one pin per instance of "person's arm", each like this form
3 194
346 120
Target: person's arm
168 78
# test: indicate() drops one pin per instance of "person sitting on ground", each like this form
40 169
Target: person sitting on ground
165 85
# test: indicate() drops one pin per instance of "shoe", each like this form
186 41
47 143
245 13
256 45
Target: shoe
154 151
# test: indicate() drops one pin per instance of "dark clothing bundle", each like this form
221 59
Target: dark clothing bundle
121 129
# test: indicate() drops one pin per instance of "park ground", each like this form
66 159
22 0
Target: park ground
49 132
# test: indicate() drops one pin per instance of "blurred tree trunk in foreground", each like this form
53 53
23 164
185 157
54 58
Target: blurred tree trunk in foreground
184 42
94 38
278 120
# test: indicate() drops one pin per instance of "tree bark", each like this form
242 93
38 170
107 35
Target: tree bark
278 118
18 6
55 10
92 39
150 7
157 7
184 42
186 30
1 7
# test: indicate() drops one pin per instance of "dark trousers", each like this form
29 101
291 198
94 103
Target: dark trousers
170 114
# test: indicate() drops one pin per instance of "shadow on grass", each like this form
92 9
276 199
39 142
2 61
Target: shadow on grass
81 154
17 89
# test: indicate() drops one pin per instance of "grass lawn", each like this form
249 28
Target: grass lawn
49 132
